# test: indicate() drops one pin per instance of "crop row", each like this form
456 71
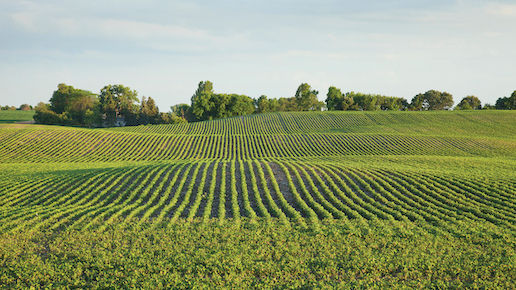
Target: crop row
377 122
287 190
85 146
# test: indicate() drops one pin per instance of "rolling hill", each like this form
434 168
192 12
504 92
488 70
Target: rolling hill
439 170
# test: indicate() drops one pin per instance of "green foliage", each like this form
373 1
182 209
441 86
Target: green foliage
277 200
506 103
488 107
432 100
336 101
207 105
44 115
25 107
115 106
201 101
306 98
263 104
184 111
67 98
377 254
240 105
69 106
170 118
149 112
469 103
118 101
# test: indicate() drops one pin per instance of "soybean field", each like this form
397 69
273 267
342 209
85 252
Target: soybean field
300 199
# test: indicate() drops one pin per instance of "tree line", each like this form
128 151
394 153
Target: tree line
23 107
117 105
207 105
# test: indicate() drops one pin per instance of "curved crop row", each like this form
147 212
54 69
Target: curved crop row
290 191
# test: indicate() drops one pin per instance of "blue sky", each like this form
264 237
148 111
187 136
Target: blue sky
164 48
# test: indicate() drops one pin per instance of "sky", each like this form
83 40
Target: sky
162 49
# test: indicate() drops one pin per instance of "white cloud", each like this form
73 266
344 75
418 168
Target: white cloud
27 20
390 46
81 26
501 9
145 30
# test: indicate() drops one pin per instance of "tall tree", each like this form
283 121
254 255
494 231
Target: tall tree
65 96
306 98
432 100
334 99
118 101
469 103
202 104
506 103
149 112
262 104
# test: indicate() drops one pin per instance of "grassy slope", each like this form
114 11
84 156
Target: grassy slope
15 116
447 176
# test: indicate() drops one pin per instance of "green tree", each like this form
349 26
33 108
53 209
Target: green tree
287 104
432 100
334 99
118 101
44 115
262 104
202 103
306 98
184 111
469 103
170 118
92 117
506 103
365 102
65 96
489 107
274 105
25 107
240 105
392 103
207 105
149 112
69 106
81 111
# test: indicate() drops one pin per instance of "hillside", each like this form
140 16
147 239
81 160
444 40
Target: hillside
450 173
295 165
15 116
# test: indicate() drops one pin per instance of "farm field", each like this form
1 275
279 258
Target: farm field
302 199
14 116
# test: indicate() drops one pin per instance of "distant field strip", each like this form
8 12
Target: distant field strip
65 145
436 167
487 123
